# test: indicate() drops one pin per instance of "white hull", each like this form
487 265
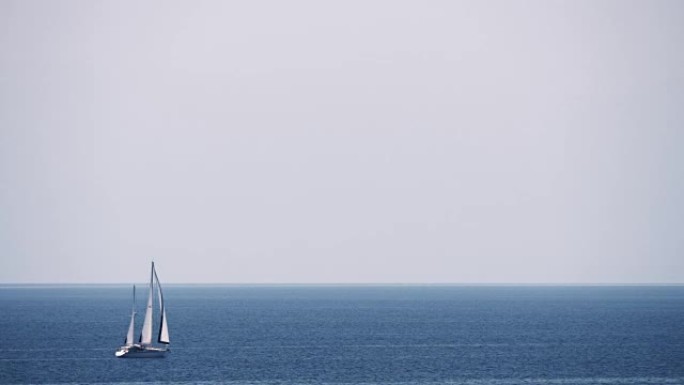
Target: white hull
137 351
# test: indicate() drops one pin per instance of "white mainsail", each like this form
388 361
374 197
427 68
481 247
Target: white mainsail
146 334
131 327
163 327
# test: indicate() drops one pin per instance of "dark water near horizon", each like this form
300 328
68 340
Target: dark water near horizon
351 335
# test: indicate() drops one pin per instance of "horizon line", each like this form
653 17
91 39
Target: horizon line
461 284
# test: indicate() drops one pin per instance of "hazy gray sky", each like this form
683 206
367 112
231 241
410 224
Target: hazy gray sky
342 141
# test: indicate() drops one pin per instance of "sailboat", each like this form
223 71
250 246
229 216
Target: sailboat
144 347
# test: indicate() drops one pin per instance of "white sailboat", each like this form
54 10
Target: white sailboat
144 348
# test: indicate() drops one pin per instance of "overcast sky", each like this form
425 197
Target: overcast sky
342 141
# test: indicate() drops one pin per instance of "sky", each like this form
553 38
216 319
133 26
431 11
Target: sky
342 141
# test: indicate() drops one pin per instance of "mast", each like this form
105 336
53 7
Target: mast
146 333
131 327
163 327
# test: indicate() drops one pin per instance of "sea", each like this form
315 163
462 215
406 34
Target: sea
347 334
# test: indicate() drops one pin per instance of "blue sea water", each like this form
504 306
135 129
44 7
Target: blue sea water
351 335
